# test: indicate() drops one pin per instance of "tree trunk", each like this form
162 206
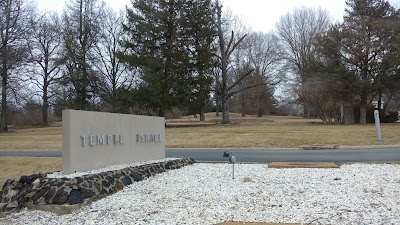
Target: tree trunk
202 116
259 112
114 95
363 114
341 118
161 113
363 106
45 107
225 111
224 66
323 117
305 111
216 105
3 122
217 102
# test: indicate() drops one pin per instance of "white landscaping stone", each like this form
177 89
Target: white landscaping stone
207 194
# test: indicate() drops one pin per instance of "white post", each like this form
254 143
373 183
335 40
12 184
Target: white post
233 160
377 125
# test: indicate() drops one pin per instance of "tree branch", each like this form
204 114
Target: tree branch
245 88
240 79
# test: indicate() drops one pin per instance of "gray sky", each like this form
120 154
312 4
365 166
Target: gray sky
261 15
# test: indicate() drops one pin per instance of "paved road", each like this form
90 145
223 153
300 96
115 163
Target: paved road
264 156
267 156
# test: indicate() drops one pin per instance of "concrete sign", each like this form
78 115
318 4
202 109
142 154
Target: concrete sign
92 140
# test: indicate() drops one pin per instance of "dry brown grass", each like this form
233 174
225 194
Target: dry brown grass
247 132
277 132
15 167
31 138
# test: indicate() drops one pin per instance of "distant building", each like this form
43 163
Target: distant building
375 104
347 112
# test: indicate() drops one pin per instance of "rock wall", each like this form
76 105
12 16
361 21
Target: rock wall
36 190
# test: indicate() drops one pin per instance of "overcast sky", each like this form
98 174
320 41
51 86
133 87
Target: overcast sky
261 15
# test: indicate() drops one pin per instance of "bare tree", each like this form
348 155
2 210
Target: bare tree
297 32
13 15
239 64
265 56
319 94
255 101
226 85
44 45
229 21
112 71
81 32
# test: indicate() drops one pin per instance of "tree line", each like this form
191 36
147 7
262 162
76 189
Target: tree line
156 57
344 65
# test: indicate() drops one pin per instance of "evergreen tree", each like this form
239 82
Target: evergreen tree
366 34
359 57
199 17
169 41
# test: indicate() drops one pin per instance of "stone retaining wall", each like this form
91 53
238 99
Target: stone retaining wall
36 191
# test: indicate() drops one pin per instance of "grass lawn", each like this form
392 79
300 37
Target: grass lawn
31 138
277 132
244 132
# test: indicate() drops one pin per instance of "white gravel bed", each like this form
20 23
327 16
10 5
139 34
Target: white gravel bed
207 194
105 169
